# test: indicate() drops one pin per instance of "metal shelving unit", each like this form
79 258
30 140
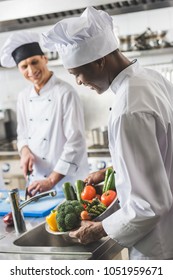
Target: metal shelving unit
151 52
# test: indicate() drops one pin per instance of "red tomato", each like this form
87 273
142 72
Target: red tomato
88 192
108 197
84 206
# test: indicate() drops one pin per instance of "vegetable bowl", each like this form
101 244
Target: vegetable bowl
84 202
114 206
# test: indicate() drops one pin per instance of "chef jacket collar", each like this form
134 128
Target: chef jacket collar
129 71
45 90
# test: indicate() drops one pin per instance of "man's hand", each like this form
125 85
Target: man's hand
45 184
27 160
40 186
88 232
95 177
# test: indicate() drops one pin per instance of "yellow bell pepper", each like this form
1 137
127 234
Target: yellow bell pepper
51 220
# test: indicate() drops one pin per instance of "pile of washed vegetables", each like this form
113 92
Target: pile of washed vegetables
82 203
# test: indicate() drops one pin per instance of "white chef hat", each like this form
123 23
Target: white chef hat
19 46
81 40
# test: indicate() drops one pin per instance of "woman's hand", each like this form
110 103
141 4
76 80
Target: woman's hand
88 232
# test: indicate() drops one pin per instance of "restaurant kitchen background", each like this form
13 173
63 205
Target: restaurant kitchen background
145 35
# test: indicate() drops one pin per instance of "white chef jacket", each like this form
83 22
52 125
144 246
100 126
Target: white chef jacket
141 145
51 123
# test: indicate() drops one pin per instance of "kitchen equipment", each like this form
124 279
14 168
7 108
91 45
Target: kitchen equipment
96 136
104 136
151 40
112 208
100 136
10 167
16 206
39 208
98 158
7 124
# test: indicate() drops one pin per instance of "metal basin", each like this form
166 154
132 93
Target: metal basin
39 241
38 244
39 237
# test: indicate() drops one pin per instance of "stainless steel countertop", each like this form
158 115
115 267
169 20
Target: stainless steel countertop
105 248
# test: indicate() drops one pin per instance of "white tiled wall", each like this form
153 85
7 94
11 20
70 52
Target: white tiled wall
96 107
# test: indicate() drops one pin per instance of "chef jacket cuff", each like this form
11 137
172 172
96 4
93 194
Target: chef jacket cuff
117 234
21 144
126 232
66 168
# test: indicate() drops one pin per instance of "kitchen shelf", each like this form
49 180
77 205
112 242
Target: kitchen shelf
130 54
139 53
55 62
106 150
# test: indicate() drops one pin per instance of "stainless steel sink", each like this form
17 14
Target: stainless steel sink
39 241
36 244
39 237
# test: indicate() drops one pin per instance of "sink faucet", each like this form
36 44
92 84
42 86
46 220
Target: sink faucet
16 207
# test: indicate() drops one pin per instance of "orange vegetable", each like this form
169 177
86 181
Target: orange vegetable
88 192
85 215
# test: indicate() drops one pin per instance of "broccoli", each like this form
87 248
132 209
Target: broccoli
78 209
68 215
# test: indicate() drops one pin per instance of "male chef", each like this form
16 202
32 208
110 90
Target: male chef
51 132
140 134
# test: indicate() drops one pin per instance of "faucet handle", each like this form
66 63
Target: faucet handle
16 207
51 193
14 196
17 214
